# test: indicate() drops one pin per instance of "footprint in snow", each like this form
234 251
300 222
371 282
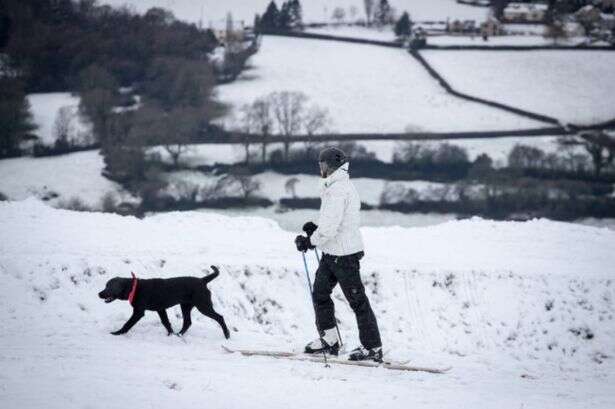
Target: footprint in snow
172 385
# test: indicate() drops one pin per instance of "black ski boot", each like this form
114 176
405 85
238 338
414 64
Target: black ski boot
362 354
319 345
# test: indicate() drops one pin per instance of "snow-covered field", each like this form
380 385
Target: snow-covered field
522 311
387 34
293 220
356 77
508 40
45 108
76 175
214 11
574 87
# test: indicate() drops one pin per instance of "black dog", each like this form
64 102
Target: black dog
159 294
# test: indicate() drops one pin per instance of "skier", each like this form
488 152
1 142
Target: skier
337 235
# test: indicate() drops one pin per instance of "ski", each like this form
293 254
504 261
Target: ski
336 361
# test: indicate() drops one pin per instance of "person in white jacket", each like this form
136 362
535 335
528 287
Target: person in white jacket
338 236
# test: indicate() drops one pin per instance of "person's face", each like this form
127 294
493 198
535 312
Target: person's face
324 169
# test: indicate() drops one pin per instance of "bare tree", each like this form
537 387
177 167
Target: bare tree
63 127
247 126
601 149
291 186
599 145
182 125
369 10
525 157
353 11
556 30
174 130
408 152
262 117
288 109
96 104
316 120
242 180
339 14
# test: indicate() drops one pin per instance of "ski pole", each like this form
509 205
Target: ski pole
339 334
307 275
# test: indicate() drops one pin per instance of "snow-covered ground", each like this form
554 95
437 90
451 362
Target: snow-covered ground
45 108
347 79
59 178
522 311
574 87
215 11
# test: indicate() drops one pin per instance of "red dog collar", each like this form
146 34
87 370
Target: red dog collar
133 290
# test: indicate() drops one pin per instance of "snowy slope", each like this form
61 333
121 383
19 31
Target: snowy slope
75 175
501 302
576 87
357 76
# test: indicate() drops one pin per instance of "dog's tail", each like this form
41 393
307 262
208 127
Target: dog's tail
213 275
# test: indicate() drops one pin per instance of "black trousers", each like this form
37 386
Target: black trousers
345 271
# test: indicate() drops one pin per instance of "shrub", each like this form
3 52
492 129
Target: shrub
74 203
356 152
450 155
3 197
108 203
525 157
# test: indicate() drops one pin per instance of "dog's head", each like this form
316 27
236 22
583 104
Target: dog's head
116 289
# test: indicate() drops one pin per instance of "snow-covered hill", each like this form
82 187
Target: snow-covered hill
523 311
356 76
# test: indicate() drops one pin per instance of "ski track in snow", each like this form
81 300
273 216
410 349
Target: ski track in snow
514 330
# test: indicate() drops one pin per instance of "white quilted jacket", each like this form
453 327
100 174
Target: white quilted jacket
338 223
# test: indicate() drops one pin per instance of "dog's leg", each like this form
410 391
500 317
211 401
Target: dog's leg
136 316
209 312
186 309
165 321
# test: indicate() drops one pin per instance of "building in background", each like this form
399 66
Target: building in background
525 13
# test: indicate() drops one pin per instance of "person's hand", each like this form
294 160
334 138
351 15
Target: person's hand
309 228
303 243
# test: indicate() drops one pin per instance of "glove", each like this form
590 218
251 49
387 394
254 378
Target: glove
309 228
303 243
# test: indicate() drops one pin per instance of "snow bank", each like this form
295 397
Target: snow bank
497 300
